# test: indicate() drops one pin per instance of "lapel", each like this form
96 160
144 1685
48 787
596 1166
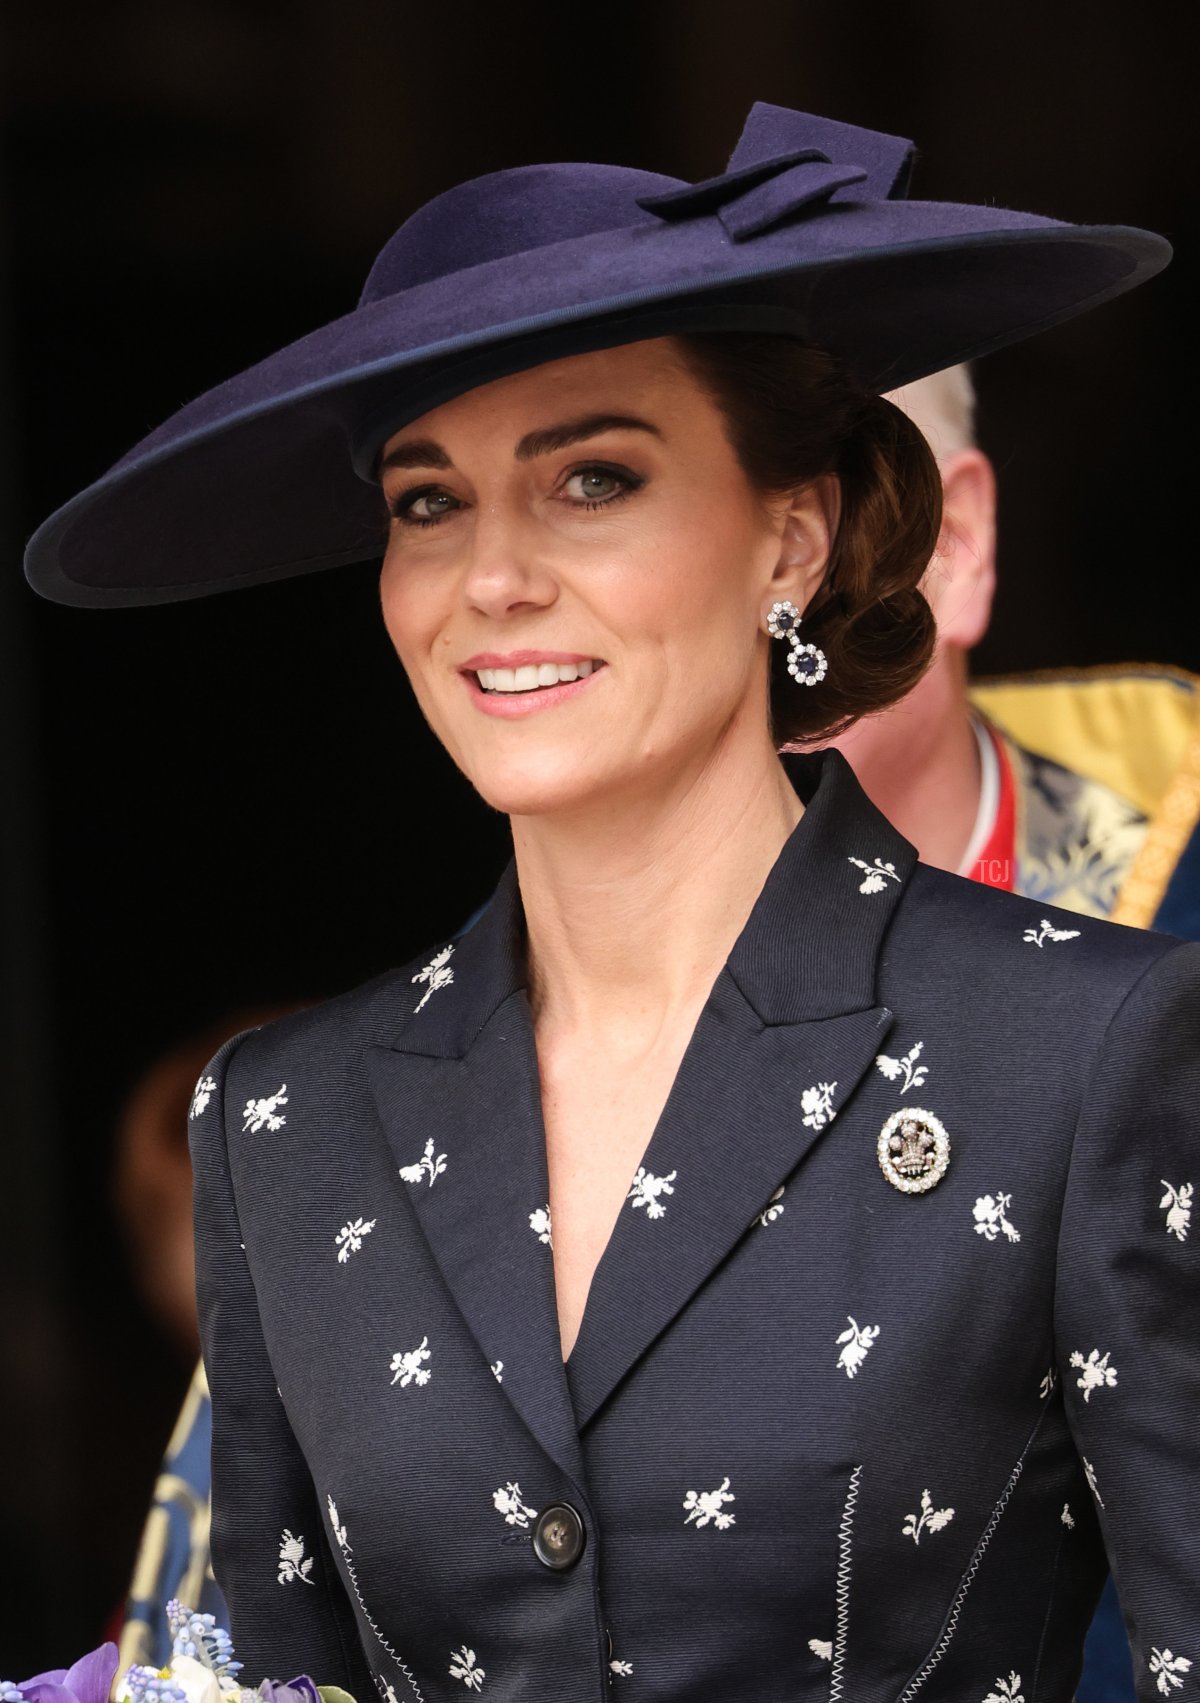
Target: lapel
789 1030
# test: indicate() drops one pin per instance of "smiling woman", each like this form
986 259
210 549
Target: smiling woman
685 1352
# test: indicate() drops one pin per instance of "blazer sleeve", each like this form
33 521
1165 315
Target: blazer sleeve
1128 1314
288 1611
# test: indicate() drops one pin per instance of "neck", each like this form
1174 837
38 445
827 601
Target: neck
633 907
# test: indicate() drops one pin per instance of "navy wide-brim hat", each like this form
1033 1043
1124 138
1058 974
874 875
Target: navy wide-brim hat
808 232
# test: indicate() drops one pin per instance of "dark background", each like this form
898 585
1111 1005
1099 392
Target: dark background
221 803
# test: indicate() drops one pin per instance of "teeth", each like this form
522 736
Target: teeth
531 676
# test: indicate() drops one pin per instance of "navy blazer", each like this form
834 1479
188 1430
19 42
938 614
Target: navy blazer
819 1437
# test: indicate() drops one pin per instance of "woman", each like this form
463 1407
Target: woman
739 1265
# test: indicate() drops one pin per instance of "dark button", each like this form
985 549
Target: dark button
558 1537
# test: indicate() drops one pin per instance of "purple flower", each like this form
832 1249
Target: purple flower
88 1681
299 1690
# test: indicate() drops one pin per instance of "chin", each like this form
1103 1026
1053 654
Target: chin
544 784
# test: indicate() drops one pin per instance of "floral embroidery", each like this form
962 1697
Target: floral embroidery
292 1561
646 1189
339 1530
1090 1474
1039 936
201 1095
1097 1374
914 1074
877 875
991 1217
436 973
706 1505
773 1207
428 1164
931 1519
539 1223
260 1113
349 1238
408 1367
857 1345
1046 1387
498 1371
822 1647
462 1666
1067 1517
619 1667
817 1105
1169 1670
1007 1691
1179 1218
507 1501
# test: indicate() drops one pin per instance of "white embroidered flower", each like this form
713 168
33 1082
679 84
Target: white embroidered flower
1039 936
1067 1517
339 1530
857 1344
498 1371
1089 1472
1096 1373
201 1095
462 1666
991 1217
349 1238
1179 1218
507 1501
822 1648
817 1105
292 1561
773 1207
1168 1669
1046 1387
428 1165
914 1074
265 1113
706 1505
931 1519
408 1367
622 1668
646 1190
1007 1691
389 1691
877 876
436 974
539 1223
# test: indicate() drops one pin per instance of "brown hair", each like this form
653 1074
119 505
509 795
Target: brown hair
793 415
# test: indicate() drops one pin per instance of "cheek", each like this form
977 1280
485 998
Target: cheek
413 612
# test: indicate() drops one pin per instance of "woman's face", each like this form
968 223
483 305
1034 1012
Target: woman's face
577 576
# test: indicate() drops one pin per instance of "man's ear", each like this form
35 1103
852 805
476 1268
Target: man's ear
810 525
960 581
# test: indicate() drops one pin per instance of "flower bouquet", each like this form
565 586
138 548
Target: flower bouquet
202 1669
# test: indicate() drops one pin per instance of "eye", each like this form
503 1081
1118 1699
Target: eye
595 486
424 506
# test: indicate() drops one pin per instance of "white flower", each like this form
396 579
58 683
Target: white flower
1179 1218
1169 1670
878 874
706 1505
857 1344
817 1104
1039 936
1096 1372
646 1190
498 1371
991 1217
821 1647
773 1207
292 1562
539 1223
1007 1691
507 1501
1090 1474
914 1074
618 1667
1046 1387
427 1165
462 1666
198 1683
436 974
931 1519
408 1368
265 1113
339 1531
201 1095
1067 1517
349 1238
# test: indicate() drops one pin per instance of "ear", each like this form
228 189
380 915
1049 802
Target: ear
960 581
808 527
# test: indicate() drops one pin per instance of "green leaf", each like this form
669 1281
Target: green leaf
334 1694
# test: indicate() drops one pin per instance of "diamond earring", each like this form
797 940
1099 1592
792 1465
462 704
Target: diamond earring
807 664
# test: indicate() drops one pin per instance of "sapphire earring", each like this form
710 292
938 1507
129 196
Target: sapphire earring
807 664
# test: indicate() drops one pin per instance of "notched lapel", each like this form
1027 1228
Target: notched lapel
749 1102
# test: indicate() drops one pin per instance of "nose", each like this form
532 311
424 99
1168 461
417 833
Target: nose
506 574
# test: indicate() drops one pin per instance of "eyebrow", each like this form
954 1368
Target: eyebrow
426 452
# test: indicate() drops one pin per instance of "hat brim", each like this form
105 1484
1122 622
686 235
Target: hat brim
254 481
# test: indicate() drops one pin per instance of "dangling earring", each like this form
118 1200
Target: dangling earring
807 664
